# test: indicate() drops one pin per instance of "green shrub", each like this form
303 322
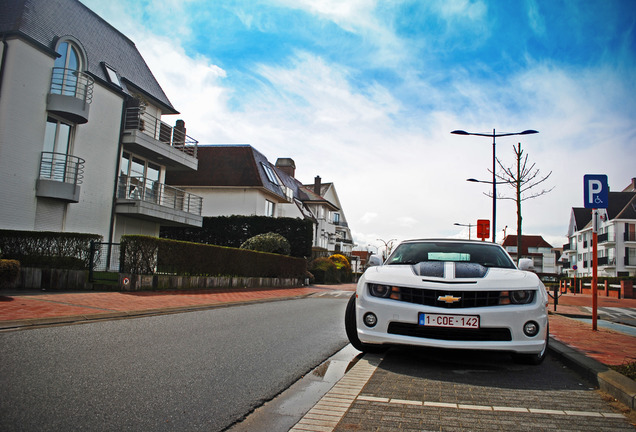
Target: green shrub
9 271
325 271
268 242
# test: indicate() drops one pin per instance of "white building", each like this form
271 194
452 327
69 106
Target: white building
239 180
82 144
616 238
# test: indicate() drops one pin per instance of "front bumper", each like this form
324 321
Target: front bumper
501 327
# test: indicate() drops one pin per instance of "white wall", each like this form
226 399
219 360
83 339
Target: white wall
98 143
26 80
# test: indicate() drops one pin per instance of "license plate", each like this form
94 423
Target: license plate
455 321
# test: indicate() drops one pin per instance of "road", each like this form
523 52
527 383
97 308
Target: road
189 371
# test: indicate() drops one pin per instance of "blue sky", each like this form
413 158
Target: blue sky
365 93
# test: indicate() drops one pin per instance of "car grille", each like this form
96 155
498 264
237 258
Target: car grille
454 334
467 299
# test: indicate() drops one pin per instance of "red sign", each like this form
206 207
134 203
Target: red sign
483 228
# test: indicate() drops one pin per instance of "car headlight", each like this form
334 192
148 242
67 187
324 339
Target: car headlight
384 291
516 297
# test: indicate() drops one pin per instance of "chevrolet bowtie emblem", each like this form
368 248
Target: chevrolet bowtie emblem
448 298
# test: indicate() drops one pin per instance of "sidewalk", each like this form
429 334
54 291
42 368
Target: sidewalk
37 308
572 340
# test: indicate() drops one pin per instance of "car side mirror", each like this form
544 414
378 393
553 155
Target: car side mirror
374 260
526 264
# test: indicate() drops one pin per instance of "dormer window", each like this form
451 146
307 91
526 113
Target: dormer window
271 175
113 76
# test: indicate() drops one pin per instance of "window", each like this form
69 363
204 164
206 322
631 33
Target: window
66 64
336 218
112 75
511 249
271 175
139 178
57 142
269 208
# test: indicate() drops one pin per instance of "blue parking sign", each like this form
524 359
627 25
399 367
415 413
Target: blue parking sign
595 191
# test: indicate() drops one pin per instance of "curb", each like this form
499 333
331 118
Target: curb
622 388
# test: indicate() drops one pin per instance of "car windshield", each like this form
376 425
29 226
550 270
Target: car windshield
486 254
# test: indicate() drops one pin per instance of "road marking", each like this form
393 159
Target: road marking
372 399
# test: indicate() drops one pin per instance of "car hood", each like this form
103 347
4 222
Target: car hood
449 275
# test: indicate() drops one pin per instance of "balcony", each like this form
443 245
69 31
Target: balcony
70 95
147 199
60 176
565 265
607 262
629 236
606 238
153 139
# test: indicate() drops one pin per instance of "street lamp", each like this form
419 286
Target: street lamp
494 158
465 225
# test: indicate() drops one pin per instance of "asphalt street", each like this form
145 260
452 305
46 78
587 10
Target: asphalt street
189 371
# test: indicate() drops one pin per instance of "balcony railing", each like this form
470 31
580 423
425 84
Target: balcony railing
629 236
607 238
143 189
138 119
61 167
607 261
69 82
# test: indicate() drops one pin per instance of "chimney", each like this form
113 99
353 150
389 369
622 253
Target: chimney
179 133
286 165
317 185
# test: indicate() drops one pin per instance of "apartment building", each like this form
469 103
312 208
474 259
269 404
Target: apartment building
544 257
616 234
83 147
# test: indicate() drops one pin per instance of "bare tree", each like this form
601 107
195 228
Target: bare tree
522 179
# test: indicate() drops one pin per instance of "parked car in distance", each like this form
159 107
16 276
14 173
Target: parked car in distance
446 293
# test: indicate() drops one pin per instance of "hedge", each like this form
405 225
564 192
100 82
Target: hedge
233 231
148 255
48 249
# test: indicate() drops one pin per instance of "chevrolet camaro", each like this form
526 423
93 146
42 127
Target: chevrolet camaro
455 294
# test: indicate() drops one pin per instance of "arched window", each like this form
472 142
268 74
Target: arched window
66 67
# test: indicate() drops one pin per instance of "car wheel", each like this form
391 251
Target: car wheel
352 331
534 359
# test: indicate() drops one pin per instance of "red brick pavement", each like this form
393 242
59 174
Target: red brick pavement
604 345
54 305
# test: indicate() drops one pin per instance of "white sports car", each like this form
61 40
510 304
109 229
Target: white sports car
450 294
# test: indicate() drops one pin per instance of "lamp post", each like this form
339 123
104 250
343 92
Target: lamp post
494 159
465 225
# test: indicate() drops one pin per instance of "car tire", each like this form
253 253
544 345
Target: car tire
534 359
352 331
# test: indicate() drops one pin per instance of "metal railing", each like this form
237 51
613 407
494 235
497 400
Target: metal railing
61 167
606 261
69 82
606 237
138 119
629 236
143 189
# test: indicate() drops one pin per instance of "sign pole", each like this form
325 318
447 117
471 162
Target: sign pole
594 269
595 196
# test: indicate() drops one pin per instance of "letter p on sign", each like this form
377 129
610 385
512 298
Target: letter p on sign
595 191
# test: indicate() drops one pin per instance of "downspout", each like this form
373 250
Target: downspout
4 59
